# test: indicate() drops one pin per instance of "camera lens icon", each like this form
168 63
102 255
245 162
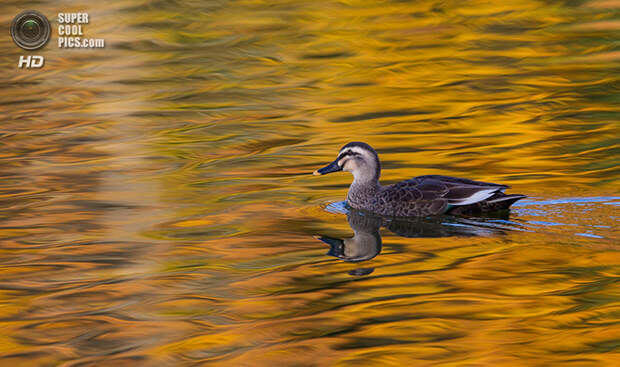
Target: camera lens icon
30 30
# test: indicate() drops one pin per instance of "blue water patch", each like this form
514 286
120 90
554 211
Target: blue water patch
611 200
589 235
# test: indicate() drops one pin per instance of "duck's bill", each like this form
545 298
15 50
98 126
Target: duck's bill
332 167
336 245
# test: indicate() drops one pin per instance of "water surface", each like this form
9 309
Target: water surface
157 206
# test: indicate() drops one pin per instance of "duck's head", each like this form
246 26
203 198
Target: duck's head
358 158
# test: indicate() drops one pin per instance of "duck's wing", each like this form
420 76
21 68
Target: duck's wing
435 194
462 191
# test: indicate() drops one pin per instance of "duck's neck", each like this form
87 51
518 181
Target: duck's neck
362 190
365 182
367 175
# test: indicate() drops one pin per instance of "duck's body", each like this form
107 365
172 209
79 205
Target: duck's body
420 196
431 195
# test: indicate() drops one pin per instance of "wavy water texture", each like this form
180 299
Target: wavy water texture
157 207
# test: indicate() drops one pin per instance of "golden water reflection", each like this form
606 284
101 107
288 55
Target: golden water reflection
158 207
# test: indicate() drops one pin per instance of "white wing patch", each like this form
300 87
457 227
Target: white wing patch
476 197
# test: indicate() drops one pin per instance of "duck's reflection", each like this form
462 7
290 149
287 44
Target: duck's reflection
366 241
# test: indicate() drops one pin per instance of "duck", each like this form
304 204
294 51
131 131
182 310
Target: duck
421 196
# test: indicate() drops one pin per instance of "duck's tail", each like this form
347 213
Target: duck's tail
505 201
